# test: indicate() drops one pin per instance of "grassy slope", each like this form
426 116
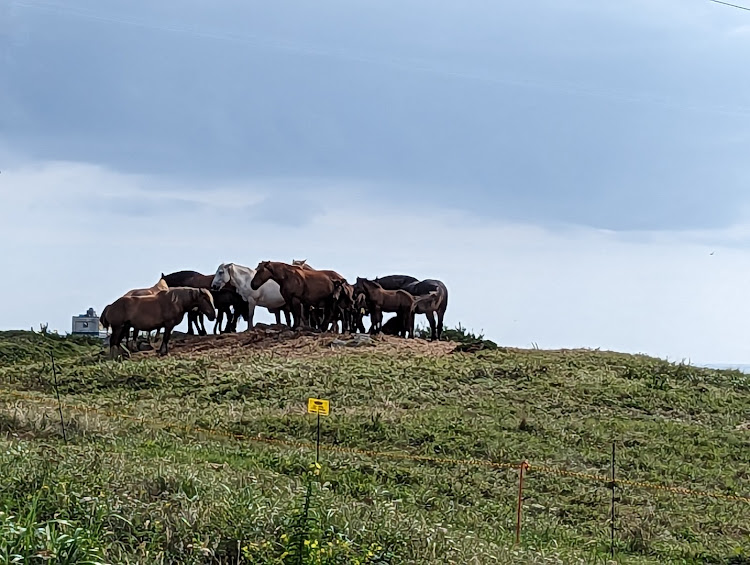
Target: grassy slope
144 494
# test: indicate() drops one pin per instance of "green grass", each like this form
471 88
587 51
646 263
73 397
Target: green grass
129 491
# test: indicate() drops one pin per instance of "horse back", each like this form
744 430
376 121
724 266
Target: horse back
317 282
145 312
192 279
422 288
395 282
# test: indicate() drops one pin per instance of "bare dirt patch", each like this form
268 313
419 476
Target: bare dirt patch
285 342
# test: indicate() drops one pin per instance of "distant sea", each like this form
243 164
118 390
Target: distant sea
743 368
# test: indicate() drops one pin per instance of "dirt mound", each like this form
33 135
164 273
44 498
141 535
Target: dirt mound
286 342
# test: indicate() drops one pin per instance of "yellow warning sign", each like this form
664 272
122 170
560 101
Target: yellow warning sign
317 406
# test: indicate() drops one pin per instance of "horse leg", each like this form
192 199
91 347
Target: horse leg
202 329
359 322
431 318
232 322
191 321
250 315
376 318
228 313
114 341
297 313
219 321
134 344
164 349
277 314
330 317
440 314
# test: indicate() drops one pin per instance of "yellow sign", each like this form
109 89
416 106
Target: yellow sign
317 406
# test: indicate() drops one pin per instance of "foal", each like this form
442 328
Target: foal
379 301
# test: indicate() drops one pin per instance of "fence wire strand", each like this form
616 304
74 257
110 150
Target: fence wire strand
530 467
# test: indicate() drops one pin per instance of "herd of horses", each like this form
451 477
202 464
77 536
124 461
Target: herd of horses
308 297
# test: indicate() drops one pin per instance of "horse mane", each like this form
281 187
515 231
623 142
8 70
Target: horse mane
209 296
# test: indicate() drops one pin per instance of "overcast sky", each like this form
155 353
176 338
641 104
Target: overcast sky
575 172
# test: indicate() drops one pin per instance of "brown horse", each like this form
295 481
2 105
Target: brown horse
380 300
423 303
359 310
418 288
344 302
342 306
191 279
163 310
158 287
300 288
225 301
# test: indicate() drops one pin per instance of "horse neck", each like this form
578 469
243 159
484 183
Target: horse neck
240 273
280 272
373 290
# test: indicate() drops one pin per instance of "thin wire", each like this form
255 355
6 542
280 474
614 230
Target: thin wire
732 5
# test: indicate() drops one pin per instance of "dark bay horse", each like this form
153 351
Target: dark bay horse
395 282
300 288
163 310
430 308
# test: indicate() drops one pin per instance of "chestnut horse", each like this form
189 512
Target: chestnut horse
158 287
344 302
162 310
300 288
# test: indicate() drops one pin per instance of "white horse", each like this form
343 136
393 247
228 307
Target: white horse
267 296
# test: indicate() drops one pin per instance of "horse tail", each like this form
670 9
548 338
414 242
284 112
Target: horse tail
103 318
443 305
431 296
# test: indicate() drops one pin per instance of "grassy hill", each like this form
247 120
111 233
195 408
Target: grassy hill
160 465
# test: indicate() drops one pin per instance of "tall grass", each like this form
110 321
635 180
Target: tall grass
129 491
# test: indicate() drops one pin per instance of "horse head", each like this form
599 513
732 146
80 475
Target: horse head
222 277
263 272
344 292
206 303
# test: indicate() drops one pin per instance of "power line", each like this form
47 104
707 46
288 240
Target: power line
732 5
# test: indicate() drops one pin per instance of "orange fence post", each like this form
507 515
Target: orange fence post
521 468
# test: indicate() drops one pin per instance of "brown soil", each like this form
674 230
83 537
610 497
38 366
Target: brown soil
285 342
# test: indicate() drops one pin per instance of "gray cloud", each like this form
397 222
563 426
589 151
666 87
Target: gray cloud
565 113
